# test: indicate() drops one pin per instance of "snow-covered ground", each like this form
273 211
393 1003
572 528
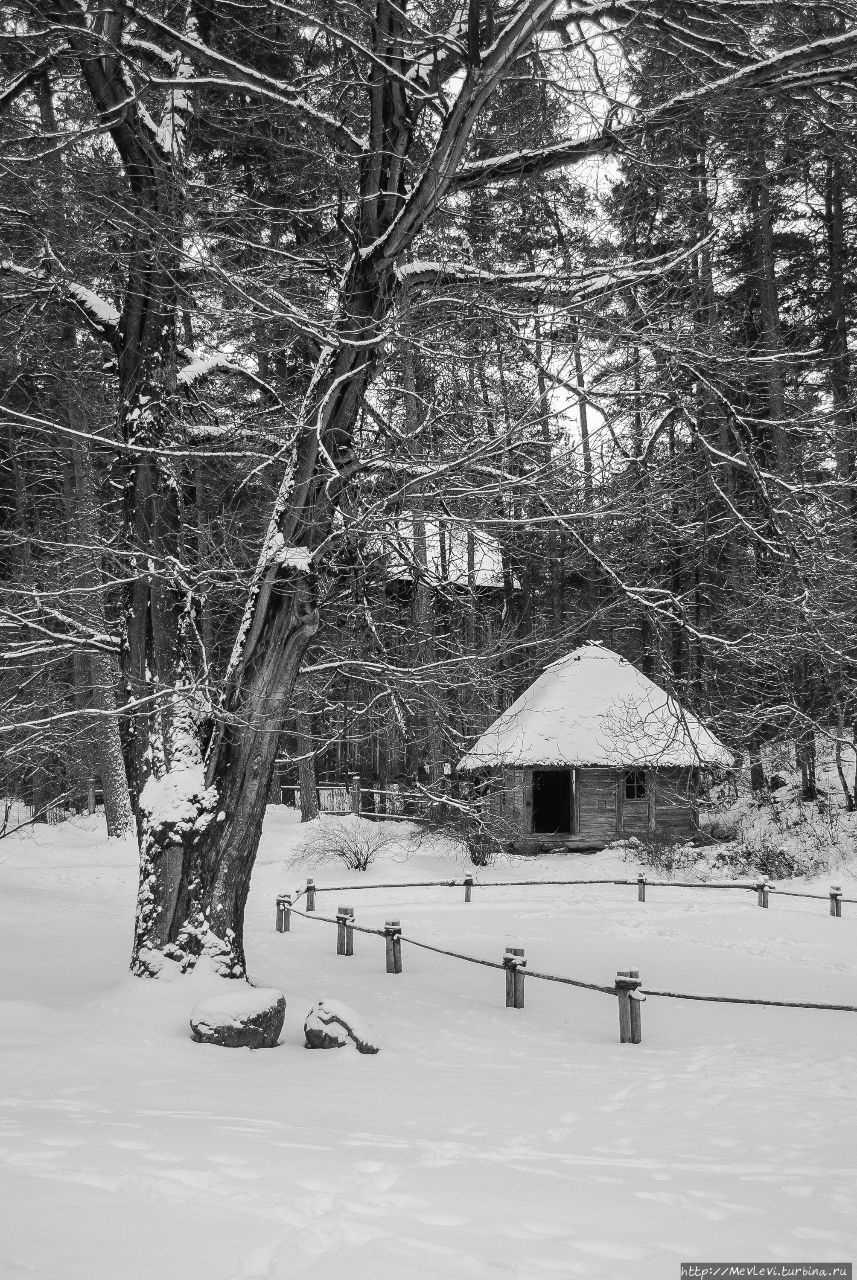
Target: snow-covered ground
480 1141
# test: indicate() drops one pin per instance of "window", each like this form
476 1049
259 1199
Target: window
635 784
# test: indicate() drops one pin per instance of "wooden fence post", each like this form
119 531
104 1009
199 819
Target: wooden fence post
349 932
468 887
90 793
284 914
310 895
341 921
835 900
514 964
641 887
762 893
630 998
393 934
355 793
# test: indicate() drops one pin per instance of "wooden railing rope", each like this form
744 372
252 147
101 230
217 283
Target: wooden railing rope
627 987
779 1004
748 886
594 986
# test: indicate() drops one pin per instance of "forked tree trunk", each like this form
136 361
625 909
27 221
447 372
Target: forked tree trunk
199 830
203 801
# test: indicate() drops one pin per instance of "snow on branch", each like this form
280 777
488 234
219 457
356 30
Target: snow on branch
419 273
571 290
100 314
236 75
520 164
808 64
200 368
15 87
297 558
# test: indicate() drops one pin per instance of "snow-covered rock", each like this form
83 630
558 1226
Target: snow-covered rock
247 1018
331 1025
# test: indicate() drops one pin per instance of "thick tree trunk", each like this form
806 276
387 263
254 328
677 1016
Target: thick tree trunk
200 816
199 830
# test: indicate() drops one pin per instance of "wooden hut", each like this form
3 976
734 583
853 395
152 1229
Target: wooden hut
593 751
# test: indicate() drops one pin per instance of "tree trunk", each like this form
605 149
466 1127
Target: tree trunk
835 337
207 776
306 768
103 667
769 310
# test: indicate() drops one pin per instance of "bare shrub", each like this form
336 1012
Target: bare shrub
773 858
661 852
355 842
475 830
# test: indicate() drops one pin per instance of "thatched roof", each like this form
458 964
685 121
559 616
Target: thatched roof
594 708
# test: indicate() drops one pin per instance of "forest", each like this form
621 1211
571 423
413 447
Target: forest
360 359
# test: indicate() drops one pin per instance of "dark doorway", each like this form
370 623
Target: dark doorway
551 801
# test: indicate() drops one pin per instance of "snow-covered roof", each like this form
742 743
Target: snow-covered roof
594 708
398 546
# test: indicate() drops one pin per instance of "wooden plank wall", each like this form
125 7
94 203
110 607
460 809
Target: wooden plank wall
596 804
602 812
675 803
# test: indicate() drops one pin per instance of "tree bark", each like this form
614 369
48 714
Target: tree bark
769 310
308 786
835 336
103 667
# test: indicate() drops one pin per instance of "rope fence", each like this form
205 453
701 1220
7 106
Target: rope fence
746 886
627 986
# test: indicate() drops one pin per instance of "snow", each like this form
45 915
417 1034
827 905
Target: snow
176 799
202 367
299 558
97 308
450 271
340 1022
235 1006
594 708
481 1143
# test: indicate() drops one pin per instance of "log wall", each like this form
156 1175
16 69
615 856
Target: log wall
596 805
602 814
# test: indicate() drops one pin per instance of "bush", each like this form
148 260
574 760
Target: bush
473 829
769 858
481 833
356 842
779 835
662 853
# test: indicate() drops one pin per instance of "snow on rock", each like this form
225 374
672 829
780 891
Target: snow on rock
592 707
247 1018
331 1025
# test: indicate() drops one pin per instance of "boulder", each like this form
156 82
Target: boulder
331 1025
246 1018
